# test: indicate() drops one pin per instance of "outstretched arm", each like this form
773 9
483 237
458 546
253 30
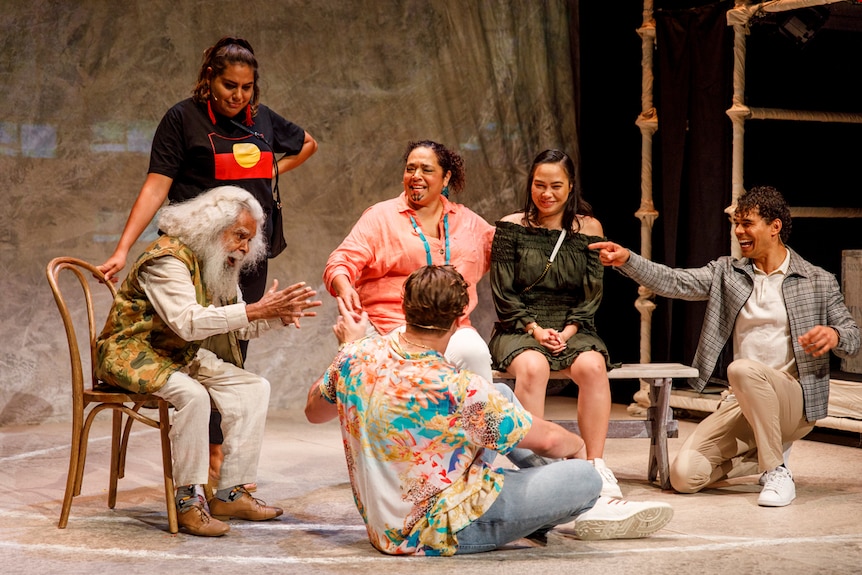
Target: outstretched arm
151 197
611 254
289 304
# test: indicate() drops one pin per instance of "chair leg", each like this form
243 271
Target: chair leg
124 442
116 428
72 478
167 464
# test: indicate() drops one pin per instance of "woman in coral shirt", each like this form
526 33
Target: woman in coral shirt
419 227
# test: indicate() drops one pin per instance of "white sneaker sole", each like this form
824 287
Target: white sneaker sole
642 524
774 501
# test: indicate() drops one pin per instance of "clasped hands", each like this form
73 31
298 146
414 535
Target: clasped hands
289 304
551 339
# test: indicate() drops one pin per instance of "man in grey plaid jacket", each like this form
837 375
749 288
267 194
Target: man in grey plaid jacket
780 316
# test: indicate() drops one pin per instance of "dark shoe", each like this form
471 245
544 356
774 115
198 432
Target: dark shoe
243 507
197 521
211 488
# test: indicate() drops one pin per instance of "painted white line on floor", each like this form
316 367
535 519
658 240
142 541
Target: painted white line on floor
150 555
644 546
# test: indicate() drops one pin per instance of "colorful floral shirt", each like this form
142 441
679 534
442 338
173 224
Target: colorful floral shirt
414 431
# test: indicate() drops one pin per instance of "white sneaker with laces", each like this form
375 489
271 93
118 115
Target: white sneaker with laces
610 487
779 489
612 518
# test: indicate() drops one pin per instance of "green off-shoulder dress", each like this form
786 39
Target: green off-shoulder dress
570 292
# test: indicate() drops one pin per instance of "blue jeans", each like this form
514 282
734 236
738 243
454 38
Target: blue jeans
532 499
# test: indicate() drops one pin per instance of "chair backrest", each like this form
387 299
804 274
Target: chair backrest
87 275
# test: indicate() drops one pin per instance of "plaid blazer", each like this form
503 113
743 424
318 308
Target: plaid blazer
811 295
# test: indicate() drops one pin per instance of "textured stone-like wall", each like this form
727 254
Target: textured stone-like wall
85 84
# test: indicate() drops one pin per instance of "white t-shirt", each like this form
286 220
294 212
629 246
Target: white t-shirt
762 331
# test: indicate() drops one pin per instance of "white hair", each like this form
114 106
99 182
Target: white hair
200 221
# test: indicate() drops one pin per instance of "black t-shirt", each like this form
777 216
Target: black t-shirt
198 155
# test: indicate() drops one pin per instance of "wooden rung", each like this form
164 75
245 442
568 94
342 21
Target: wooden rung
625 428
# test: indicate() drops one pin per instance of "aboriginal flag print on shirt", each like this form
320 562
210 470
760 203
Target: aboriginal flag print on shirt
240 158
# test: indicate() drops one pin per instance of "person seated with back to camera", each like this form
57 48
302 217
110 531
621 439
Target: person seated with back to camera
421 437
183 289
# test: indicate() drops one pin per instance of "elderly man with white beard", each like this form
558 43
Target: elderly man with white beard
179 298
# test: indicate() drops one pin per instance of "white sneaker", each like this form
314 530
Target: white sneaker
619 519
779 489
610 487
786 446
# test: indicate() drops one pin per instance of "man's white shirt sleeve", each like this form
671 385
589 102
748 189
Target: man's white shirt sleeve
169 288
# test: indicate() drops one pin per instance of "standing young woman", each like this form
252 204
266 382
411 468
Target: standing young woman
221 135
547 287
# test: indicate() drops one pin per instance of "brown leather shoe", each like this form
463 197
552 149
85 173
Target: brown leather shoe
243 507
197 521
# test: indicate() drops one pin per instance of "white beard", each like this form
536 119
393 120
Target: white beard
221 280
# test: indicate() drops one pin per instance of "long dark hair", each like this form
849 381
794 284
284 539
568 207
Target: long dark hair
226 51
575 205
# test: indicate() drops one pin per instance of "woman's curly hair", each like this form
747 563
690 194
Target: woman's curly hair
450 162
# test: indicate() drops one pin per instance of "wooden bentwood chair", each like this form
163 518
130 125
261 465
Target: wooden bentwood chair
88 399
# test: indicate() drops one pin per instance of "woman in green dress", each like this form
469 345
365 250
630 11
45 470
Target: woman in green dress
547 286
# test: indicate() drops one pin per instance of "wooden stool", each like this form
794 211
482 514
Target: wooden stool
659 424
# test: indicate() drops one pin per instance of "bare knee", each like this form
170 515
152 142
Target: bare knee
589 370
530 367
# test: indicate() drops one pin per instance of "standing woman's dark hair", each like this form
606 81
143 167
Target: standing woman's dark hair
225 52
575 205
450 162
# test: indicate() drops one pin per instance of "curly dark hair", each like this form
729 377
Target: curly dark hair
769 204
450 162
434 297
575 205
217 57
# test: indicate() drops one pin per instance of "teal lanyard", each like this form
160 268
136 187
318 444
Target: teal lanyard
425 241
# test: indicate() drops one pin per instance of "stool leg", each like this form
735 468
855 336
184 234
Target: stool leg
658 417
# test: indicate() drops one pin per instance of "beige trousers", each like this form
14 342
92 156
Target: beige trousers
241 397
744 436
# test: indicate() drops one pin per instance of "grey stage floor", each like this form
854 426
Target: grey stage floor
302 469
